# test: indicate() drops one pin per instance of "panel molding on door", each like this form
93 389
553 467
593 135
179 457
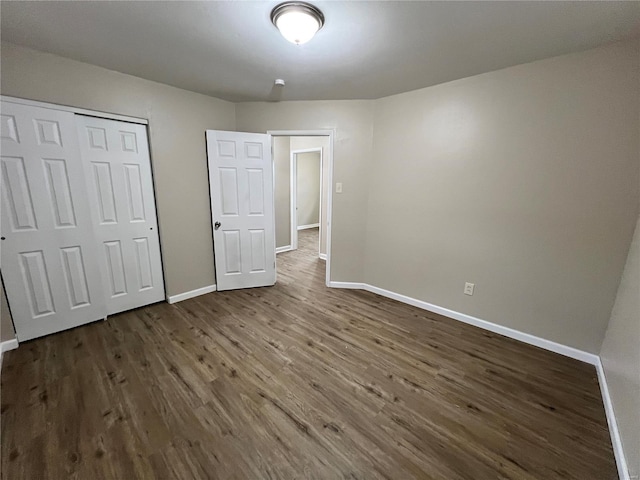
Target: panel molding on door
51 279
122 201
241 188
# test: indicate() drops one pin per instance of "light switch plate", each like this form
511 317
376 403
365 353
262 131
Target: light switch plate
338 187
468 288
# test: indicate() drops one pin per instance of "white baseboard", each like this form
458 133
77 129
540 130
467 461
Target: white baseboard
616 441
286 248
193 293
323 256
493 327
6 346
311 225
350 285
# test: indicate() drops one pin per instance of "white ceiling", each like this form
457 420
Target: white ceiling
230 49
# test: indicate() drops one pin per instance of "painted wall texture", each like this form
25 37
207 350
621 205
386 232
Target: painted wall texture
177 122
620 356
282 172
308 189
523 181
352 122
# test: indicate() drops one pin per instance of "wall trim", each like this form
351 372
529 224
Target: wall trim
311 225
80 111
193 293
550 345
616 440
286 248
349 285
8 345
322 256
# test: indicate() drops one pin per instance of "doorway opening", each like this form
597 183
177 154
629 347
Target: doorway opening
303 168
307 198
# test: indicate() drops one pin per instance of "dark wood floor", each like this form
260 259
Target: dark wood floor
297 381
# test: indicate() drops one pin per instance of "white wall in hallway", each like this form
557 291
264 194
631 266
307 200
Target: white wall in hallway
282 180
308 175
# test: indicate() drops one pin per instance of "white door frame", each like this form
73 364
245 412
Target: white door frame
329 159
293 193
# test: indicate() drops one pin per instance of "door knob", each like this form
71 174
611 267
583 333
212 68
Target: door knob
217 225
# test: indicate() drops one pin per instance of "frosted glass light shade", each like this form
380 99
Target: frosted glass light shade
298 22
297 27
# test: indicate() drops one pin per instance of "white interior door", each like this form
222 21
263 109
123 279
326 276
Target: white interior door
118 176
241 188
48 248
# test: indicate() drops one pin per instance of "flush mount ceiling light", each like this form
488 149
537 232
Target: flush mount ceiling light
298 22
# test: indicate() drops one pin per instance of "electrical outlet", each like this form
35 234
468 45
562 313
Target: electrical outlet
468 288
338 187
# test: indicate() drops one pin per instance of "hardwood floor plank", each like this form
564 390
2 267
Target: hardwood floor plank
297 381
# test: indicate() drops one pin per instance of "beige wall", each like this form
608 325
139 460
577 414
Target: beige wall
302 143
308 189
518 180
6 326
177 122
522 181
282 167
352 122
620 356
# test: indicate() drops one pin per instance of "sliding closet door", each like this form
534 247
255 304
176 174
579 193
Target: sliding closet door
116 158
48 248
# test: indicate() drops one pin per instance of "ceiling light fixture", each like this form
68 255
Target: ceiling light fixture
298 22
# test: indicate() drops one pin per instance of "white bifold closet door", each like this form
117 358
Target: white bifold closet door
79 228
48 246
118 169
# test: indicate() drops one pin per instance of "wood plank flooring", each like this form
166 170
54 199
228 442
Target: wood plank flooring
297 381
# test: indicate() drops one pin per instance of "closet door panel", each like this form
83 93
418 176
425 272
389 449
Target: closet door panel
52 279
122 201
